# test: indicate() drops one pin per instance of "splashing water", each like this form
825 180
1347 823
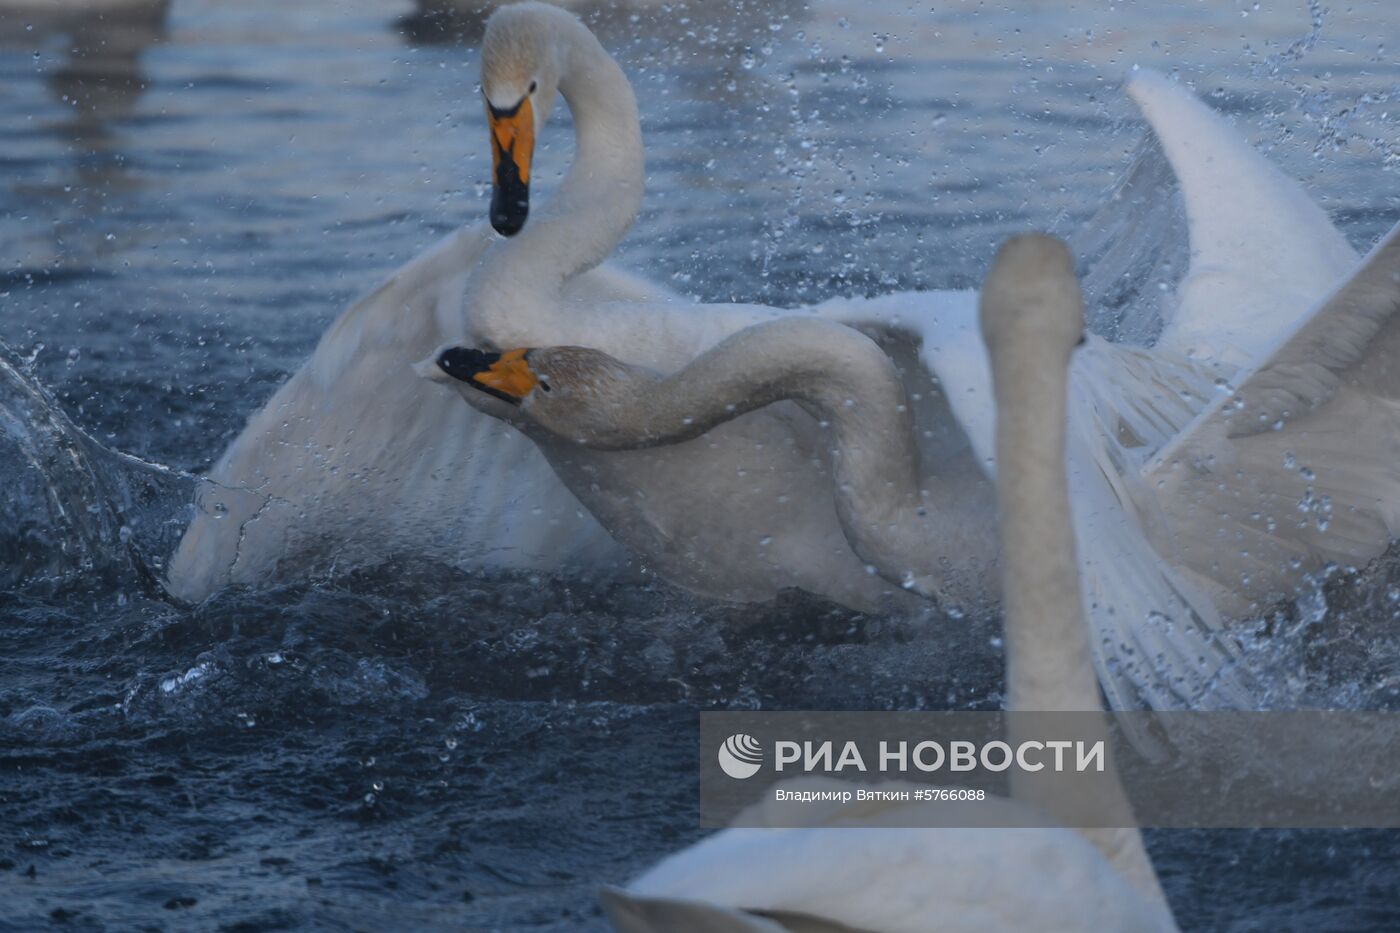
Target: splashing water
73 508
414 744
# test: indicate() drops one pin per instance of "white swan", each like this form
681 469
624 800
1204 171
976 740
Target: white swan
880 878
353 457
1163 556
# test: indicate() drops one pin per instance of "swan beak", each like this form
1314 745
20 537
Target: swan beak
507 375
512 148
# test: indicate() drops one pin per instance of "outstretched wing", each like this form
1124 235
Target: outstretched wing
1158 565
1261 252
355 456
1297 461
1159 640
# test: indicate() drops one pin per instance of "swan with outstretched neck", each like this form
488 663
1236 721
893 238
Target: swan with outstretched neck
860 871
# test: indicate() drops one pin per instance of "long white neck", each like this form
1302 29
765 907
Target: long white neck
1048 657
520 278
1049 664
911 530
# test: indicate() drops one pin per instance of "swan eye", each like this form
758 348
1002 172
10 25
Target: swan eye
543 383
534 85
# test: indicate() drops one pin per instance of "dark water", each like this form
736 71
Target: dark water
183 208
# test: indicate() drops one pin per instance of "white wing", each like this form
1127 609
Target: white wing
1261 251
355 456
1298 463
1157 626
1158 638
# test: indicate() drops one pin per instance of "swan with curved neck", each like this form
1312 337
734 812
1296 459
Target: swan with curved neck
1163 533
900 519
517 297
914 525
532 52
891 880
352 458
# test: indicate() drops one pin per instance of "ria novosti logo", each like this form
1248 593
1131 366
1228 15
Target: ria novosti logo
741 756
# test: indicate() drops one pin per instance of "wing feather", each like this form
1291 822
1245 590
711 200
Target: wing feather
355 456
1298 463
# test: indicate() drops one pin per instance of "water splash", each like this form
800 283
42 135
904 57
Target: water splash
74 509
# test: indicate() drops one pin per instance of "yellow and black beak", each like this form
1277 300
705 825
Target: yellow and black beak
512 148
507 375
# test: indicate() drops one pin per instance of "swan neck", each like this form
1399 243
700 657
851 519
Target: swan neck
1049 666
854 390
1049 660
600 195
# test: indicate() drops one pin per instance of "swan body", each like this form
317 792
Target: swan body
885 879
1169 550
858 870
353 457
919 532
919 529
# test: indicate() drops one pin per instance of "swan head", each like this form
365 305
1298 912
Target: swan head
1031 299
575 393
522 58
504 376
